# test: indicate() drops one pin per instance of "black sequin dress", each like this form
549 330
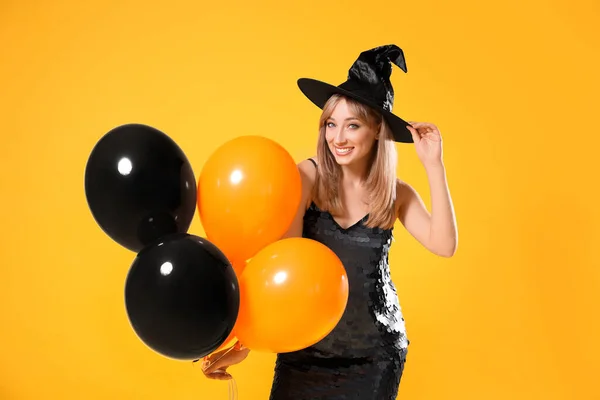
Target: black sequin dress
363 357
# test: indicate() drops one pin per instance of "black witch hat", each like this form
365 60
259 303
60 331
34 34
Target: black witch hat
369 83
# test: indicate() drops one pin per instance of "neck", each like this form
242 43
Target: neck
354 174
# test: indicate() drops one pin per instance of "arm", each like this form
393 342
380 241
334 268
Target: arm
436 231
307 174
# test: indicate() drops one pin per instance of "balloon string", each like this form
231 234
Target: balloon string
233 393
232 385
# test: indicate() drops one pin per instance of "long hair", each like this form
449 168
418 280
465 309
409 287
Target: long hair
381 175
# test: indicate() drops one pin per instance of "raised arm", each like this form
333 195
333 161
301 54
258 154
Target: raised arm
436 231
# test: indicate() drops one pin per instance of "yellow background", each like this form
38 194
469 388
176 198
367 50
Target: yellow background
512 85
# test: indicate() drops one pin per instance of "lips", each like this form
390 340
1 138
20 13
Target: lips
343 151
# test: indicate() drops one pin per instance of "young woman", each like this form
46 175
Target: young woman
351 201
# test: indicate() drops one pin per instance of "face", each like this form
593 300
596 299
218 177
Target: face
349 139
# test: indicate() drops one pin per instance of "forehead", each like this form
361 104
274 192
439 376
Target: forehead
342 110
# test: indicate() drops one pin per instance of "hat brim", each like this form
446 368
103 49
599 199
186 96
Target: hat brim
319 92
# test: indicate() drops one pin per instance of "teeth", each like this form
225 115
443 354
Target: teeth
343 150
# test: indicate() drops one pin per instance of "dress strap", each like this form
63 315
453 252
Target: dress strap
313 161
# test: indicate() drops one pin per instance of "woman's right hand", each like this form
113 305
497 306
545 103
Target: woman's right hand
215 366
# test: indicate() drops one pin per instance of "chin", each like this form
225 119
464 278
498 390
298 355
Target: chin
343 160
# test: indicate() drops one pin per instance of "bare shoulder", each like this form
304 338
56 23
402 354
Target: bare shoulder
308 169
403 187
405 194
308 173
402 190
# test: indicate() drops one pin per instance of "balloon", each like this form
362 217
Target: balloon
293 294
248 193
182 297
238 267
232 340
139 186
228 343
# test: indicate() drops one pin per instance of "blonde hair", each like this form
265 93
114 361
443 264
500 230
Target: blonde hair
381 175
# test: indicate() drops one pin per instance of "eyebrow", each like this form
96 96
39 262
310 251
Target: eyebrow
347 119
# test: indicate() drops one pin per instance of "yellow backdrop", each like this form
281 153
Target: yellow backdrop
513 87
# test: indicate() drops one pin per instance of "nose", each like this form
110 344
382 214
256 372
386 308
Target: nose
340 136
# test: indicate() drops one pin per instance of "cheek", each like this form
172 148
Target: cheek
365 141
329 135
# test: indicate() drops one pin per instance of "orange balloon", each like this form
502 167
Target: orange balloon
238 267
292 294
228 343
248 193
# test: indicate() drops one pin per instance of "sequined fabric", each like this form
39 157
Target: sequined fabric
363 357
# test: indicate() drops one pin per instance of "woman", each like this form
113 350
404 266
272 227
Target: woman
351 200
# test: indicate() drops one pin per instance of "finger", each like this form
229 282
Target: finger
219 375
212 364
432 133
415 135
216 361
214 367
209 368
419 125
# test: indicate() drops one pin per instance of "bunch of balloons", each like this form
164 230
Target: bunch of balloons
187 296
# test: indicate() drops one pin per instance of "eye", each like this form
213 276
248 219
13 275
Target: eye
330 124
353 126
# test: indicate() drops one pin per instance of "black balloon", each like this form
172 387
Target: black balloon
182 297
139 186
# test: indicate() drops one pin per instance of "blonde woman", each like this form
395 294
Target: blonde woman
351 201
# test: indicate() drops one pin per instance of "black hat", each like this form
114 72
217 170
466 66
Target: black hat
369 83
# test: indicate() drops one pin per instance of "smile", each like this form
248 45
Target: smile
343 151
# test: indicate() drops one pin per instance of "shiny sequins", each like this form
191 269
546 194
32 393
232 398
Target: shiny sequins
363 357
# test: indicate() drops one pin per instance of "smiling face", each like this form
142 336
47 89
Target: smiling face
354 137
349 136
